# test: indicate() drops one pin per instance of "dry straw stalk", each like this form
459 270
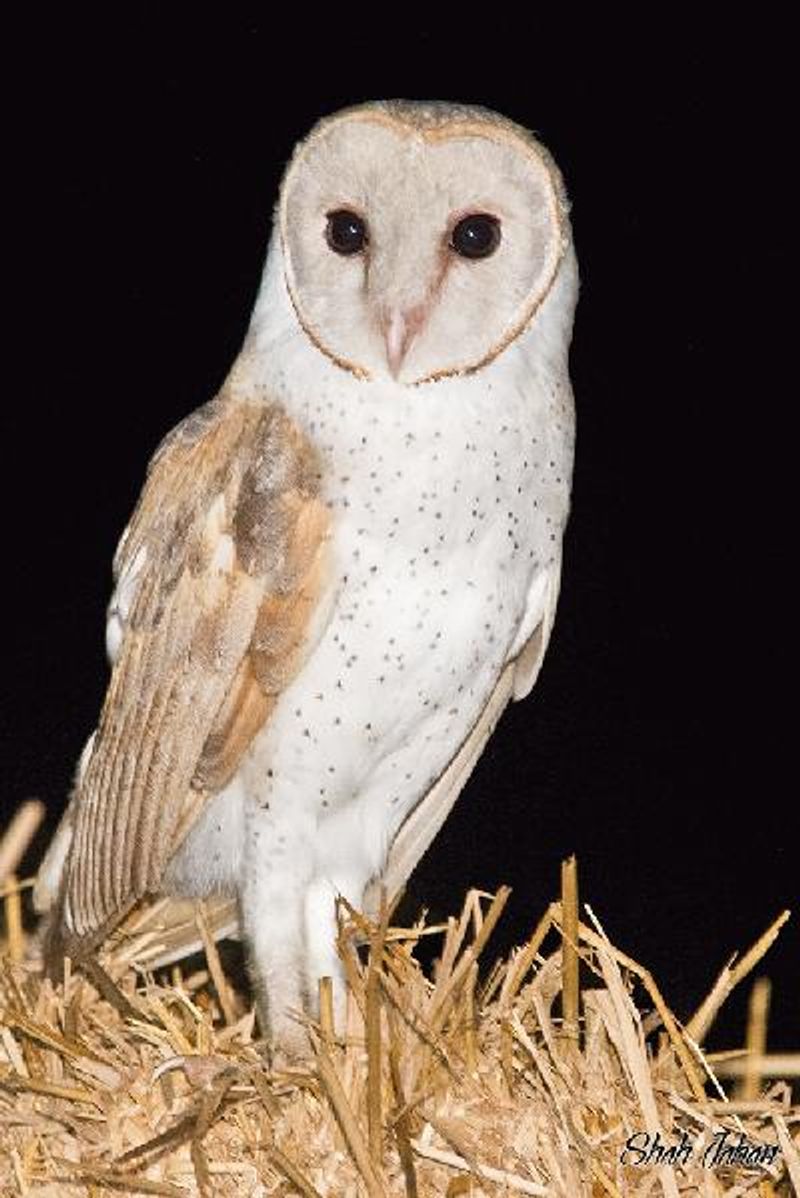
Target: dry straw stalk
525 1084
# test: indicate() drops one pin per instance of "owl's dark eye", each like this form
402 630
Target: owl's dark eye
346 232
476 236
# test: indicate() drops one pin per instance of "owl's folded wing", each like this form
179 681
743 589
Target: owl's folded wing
227 549
540 615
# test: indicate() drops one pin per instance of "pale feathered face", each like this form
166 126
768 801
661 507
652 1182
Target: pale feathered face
417 246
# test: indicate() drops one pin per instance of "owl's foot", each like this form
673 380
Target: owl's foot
288 1045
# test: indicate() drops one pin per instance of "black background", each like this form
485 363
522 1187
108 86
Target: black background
659 744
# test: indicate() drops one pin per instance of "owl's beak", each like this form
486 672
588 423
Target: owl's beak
399 330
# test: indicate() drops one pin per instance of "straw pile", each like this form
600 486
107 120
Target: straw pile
527 1078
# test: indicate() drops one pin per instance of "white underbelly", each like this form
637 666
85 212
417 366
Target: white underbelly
396 683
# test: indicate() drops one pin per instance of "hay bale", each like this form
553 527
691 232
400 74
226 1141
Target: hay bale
523 1083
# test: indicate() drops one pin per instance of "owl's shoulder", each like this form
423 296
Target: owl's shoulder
244 464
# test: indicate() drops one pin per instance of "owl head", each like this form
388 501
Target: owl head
418 240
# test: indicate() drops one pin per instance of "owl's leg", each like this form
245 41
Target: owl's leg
277 870
350 849
322 957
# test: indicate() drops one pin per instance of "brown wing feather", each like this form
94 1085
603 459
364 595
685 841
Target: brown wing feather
233 535
243 711
278 646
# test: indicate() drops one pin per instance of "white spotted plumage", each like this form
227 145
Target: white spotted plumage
448 499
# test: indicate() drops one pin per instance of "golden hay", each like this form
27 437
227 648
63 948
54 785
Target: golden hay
441 1086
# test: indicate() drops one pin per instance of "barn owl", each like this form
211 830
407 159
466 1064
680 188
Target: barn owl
343 566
